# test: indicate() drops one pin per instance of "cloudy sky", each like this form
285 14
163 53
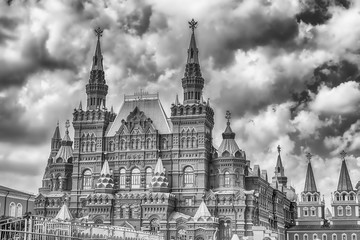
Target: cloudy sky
287 70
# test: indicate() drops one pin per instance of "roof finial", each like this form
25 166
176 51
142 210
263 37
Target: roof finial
308 156
98 32
193 24
57 123
67 125
228 116
279 149
343 155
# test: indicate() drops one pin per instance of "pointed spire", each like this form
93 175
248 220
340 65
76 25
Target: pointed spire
193 50
279 169
159 168
177 100
228 134
98 58
105 171
344 179
310 185
57 132
80 105
202 211
67 137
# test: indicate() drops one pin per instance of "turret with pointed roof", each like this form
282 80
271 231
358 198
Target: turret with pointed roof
56 140
97 89
159 182
105 183
280 171
192 82
65 152
344 183
310 185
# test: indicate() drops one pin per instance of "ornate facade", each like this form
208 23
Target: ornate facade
141 169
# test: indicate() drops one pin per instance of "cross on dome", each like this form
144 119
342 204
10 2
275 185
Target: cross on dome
98 32
228 115
308 156
279 149
343 154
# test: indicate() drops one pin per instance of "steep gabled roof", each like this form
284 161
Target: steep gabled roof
344 179
202 211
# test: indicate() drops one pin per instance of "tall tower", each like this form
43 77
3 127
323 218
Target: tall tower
310 207
192 82
97 89
192 124
279 171
345 204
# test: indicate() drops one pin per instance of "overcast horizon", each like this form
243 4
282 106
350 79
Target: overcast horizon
288 71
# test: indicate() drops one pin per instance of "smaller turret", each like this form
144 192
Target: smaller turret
159 182
56 140
105 183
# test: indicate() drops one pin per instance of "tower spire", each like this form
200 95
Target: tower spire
279 170
228 133
97 89
344 178
310 185
192 82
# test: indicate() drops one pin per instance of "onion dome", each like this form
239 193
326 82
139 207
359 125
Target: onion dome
159 182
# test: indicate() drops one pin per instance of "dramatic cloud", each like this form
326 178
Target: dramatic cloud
287 70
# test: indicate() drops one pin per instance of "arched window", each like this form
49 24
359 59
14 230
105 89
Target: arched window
313 211
353 236
183 142
148 176
19 210
148 143
348 211
343 196
309 198
122 144
337 197
314 236
83 146
227 179
87 180
324 237
225 230
296 237
137 144
12 209
305 237
93 146
306 211
189 176
122 178
334 237
193 142
352 197
340 211
135 178
343 236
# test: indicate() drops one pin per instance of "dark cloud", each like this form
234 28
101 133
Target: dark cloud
330 74
35 57
25 168
138 21
13 128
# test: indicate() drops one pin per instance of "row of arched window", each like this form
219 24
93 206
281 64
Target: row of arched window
15 210
325 237
137 144
189 142
345 197
88 146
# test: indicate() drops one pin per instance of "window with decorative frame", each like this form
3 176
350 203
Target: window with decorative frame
148 176
122 178
226 179
324 237
12 209
135 178
334 237
18 210
306 211
189 176
313 211
87 179
348 210
305 237
340 211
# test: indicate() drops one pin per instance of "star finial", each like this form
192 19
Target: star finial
98 32
308 156
192 24
343 155
67 125
279 149
228 116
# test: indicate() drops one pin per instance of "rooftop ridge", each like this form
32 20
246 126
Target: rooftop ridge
141 96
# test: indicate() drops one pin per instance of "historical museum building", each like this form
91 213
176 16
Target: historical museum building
313 222
141 169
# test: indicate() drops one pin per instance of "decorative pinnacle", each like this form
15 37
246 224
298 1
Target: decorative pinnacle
193 24
67 125
279 149
228 116
98 32
343 155
308 156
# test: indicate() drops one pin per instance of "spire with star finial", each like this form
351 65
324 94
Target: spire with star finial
344 178
97 89
192 82
310 185
279 170
228 133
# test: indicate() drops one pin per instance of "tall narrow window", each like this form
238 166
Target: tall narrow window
227 179
348 211
334 237
189 176
296 237
122 178
353 236
148 176
19 210
324 237
305 237
306 211
87 180
12 210
135 178
340 211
